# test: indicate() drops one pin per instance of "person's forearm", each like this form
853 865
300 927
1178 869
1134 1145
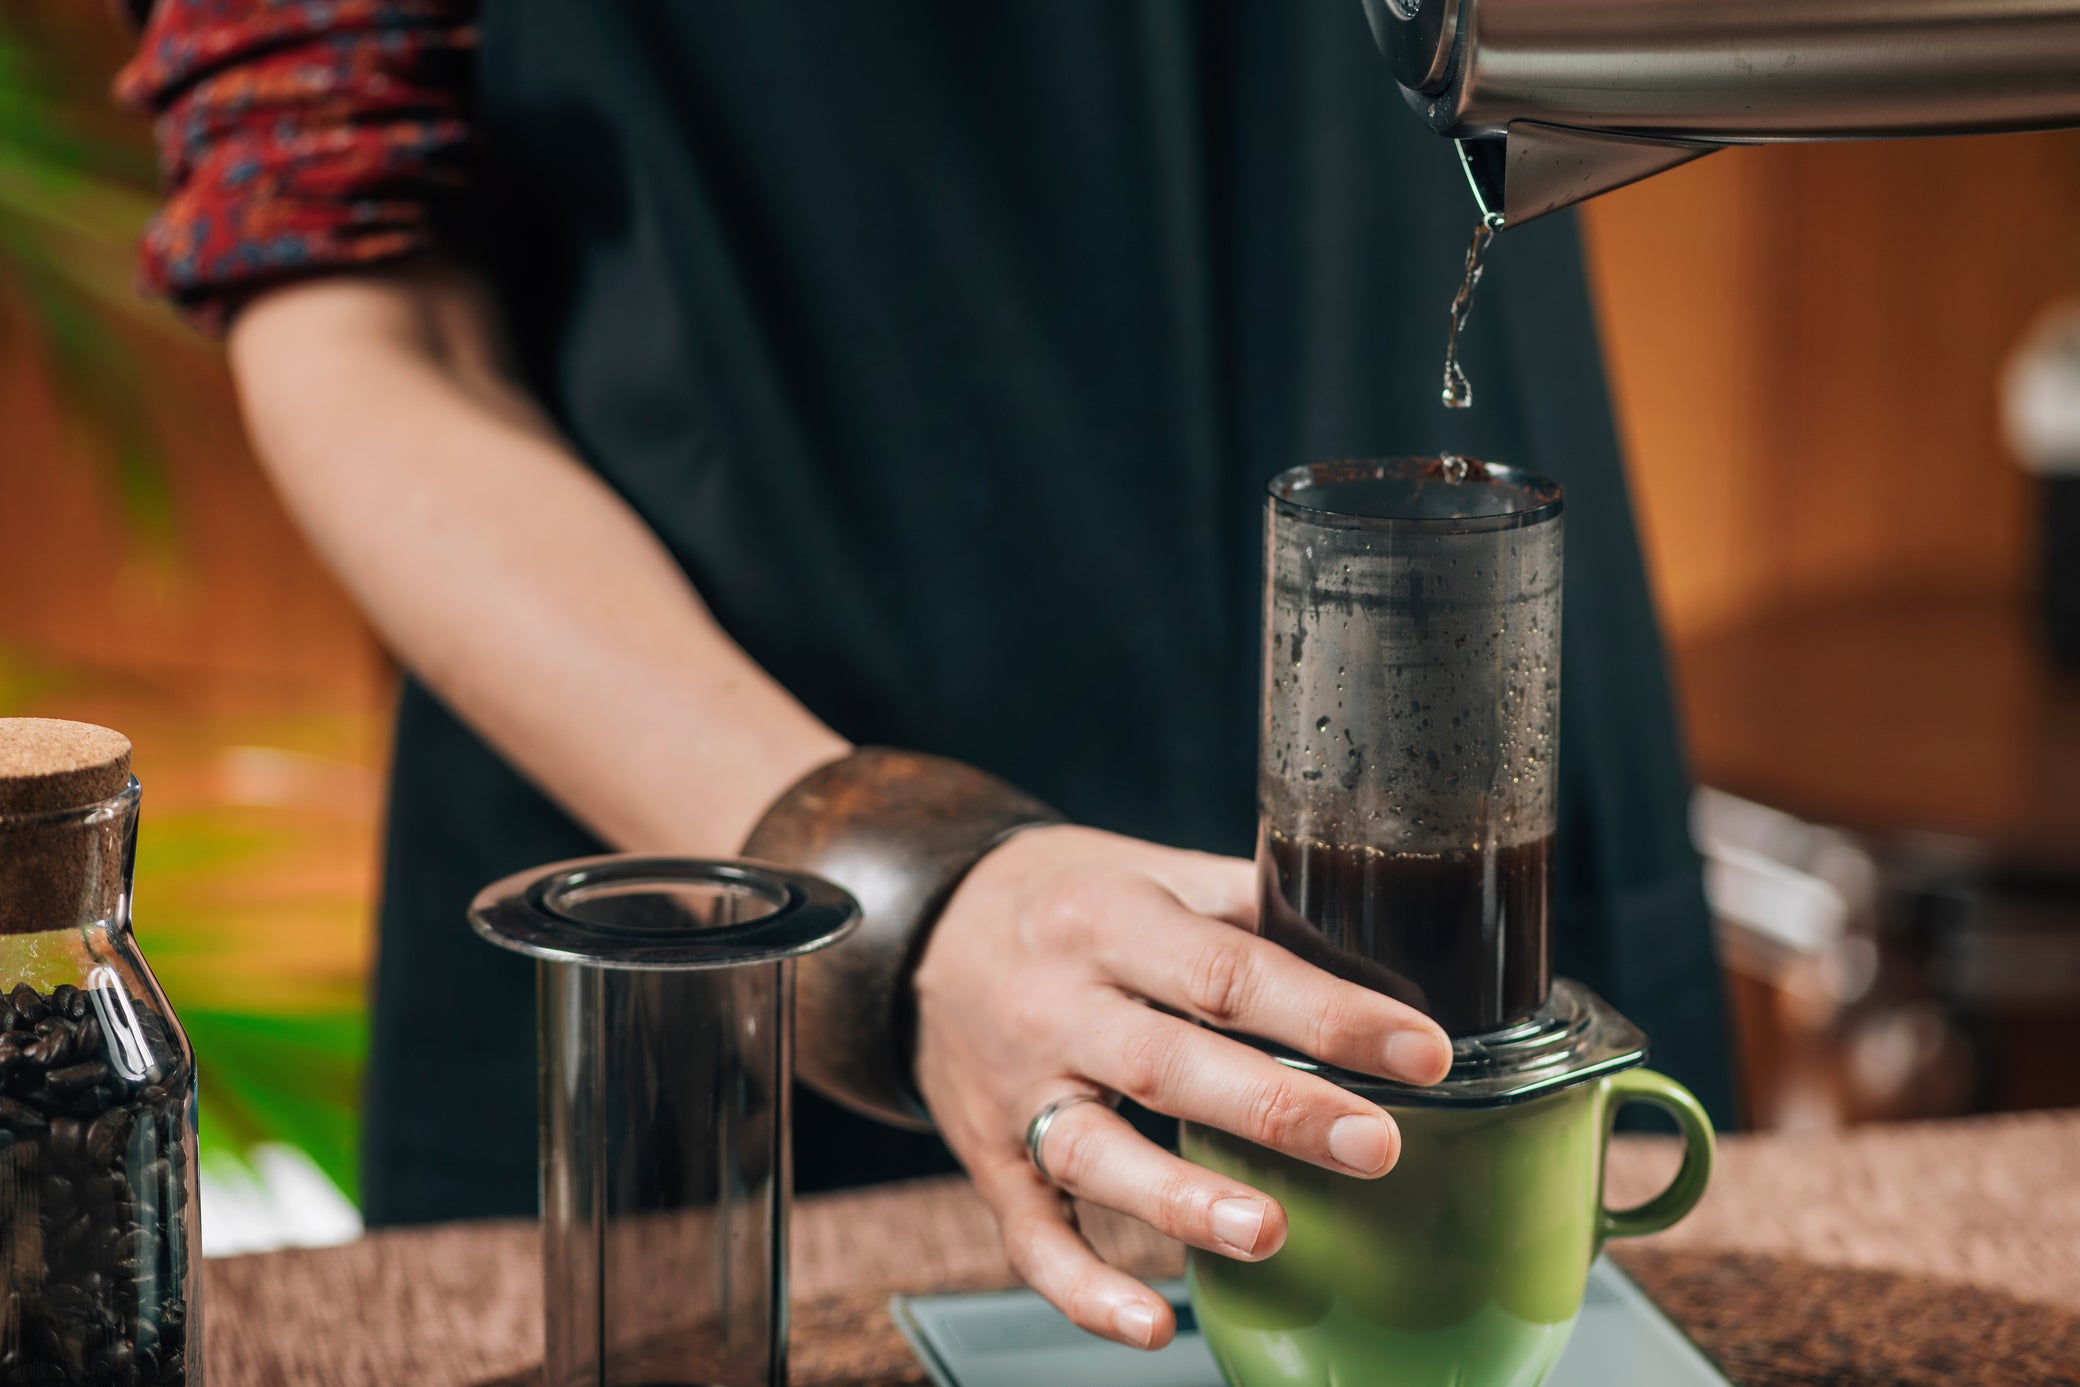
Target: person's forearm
503 572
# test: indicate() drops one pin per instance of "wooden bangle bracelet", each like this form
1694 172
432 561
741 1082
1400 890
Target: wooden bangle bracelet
898 829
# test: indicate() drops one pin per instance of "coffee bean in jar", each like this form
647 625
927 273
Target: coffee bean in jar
99 1227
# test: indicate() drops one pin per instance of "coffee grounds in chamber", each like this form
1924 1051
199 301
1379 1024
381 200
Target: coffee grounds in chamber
1462 935
93 1178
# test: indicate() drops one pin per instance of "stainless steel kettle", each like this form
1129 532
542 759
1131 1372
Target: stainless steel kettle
1554 101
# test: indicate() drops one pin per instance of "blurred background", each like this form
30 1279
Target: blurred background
1857 564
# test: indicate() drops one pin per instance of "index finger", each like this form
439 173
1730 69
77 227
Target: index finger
1236 981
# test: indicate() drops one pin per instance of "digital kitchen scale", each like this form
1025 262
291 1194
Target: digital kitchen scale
1016 1339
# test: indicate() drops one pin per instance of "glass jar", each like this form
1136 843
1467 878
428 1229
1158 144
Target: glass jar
665 1000
99 1228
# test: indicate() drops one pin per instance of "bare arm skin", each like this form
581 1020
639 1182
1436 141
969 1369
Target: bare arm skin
543 610
503 571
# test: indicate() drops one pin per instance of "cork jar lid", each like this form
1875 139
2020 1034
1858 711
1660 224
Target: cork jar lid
48 766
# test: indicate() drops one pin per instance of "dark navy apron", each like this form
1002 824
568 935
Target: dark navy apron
948 347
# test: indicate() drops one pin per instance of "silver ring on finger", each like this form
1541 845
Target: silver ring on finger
1043 1122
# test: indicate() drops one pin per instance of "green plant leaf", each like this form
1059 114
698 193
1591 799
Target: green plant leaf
280 1078
71 207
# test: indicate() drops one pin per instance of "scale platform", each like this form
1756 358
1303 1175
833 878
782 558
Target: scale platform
1016 1339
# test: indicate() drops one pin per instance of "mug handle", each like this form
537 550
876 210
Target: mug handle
1683 1192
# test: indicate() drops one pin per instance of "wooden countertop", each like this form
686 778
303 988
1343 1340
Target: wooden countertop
1941 1253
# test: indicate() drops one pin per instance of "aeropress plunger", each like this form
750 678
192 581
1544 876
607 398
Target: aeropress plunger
665 1005
1406 798
1407 785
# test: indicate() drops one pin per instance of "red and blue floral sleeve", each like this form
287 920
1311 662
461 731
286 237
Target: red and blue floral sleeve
297 136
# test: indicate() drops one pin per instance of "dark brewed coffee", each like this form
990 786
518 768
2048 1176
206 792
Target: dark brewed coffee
1461 934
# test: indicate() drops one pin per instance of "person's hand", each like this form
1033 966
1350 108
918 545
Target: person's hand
1071 961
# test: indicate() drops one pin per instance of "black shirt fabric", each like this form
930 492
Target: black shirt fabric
949 348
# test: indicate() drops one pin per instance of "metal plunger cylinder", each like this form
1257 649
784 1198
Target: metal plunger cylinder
1411 693
665 997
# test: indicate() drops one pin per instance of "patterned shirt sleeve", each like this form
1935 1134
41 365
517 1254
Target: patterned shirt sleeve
298 136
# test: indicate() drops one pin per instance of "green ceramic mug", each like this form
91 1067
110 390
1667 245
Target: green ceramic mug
1462 1267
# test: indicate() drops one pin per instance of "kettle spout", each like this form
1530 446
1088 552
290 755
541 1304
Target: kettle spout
1536 168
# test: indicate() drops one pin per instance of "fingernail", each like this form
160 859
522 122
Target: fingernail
1238 1222
1360 1143
1136 1323
1417 1056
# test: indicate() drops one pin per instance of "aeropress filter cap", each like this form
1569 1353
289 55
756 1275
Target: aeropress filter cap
1574 1037
665 1015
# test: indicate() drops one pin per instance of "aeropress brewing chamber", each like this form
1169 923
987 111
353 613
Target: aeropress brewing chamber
664 994
1406 780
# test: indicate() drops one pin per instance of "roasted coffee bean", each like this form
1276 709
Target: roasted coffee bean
73 1233
92 1337
29 1004
44 1051
57 1197
99 1250
68 1135
66 1302
112 1365
69 1001
109 1235
76 1078
107 1134
57 1028
84 1106
56 1105
20 1118
6 1015
86 1039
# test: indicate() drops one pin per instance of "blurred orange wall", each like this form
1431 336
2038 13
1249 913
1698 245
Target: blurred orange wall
1804 343
233 612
